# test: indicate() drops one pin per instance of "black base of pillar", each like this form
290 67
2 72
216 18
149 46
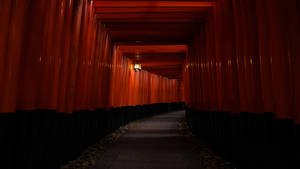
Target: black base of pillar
249 140
47 139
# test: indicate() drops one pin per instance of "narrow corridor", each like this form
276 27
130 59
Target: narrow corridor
154 143
73 73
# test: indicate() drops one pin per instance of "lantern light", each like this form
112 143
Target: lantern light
137 67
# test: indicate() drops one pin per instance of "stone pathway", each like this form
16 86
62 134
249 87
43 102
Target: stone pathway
160 142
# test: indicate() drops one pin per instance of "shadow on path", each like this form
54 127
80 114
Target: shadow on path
154 143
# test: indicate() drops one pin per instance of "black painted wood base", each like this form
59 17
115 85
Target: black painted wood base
45 139
249 140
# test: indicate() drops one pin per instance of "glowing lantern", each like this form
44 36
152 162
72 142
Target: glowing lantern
137 67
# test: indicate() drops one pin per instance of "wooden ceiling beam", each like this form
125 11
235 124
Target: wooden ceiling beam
184 27
166 67
157 56
152 20
148 42
134 4
151 15
153 48
122 10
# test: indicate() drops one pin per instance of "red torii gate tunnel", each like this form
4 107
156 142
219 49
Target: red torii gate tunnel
66 75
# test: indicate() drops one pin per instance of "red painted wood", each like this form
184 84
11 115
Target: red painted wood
120 10
64 66
5 17
242 56
11 53
153 4
252 69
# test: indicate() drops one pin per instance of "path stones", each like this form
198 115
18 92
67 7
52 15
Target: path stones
89 157
207 157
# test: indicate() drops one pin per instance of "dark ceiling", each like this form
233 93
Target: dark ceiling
165 60
157 30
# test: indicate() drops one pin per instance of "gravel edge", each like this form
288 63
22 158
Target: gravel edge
208 159
88 158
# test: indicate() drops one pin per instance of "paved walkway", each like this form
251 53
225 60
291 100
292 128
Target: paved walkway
154 143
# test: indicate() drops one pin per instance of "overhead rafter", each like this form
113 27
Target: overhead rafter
156 31
134 4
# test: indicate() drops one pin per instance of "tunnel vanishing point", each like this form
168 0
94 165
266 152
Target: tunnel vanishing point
68 77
